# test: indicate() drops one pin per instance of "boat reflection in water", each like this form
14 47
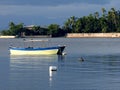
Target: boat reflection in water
34 59
31 69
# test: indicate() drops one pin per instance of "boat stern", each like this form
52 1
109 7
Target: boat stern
61 49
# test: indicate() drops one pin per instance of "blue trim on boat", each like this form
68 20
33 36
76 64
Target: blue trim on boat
31 48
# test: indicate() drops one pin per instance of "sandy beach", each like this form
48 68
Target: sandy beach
93 35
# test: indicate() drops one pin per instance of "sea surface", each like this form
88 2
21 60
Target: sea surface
90 64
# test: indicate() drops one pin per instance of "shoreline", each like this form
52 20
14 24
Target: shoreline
93 35
76 35
39 36
7 36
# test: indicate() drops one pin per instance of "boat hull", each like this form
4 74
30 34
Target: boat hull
37 51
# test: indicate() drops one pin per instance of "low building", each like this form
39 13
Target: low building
30 27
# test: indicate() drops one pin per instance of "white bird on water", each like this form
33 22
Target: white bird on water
51 69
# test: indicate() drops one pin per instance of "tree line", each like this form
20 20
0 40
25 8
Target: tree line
105 22
20 30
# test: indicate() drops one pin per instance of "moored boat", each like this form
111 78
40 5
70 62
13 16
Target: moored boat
37 51
31 50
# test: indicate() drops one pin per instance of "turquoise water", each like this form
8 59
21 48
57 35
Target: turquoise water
100 69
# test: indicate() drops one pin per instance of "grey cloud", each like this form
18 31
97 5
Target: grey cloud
51 2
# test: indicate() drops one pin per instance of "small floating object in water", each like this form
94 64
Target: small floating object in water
81 59
52 68
64 53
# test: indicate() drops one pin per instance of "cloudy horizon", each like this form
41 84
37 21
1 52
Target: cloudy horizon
46 12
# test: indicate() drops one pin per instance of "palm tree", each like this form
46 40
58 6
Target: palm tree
96 14
104 12
11 25
70 24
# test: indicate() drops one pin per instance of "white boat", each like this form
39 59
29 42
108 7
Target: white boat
37 50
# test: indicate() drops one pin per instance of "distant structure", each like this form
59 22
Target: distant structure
30 27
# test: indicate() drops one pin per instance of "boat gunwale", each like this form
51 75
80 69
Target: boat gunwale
35 48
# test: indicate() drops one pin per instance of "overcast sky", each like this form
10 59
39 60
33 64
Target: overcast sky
45 12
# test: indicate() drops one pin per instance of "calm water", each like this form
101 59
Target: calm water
99 71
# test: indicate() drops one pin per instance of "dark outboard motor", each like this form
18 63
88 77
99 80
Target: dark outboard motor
61 48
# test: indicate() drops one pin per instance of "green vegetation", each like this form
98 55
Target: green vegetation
94 23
